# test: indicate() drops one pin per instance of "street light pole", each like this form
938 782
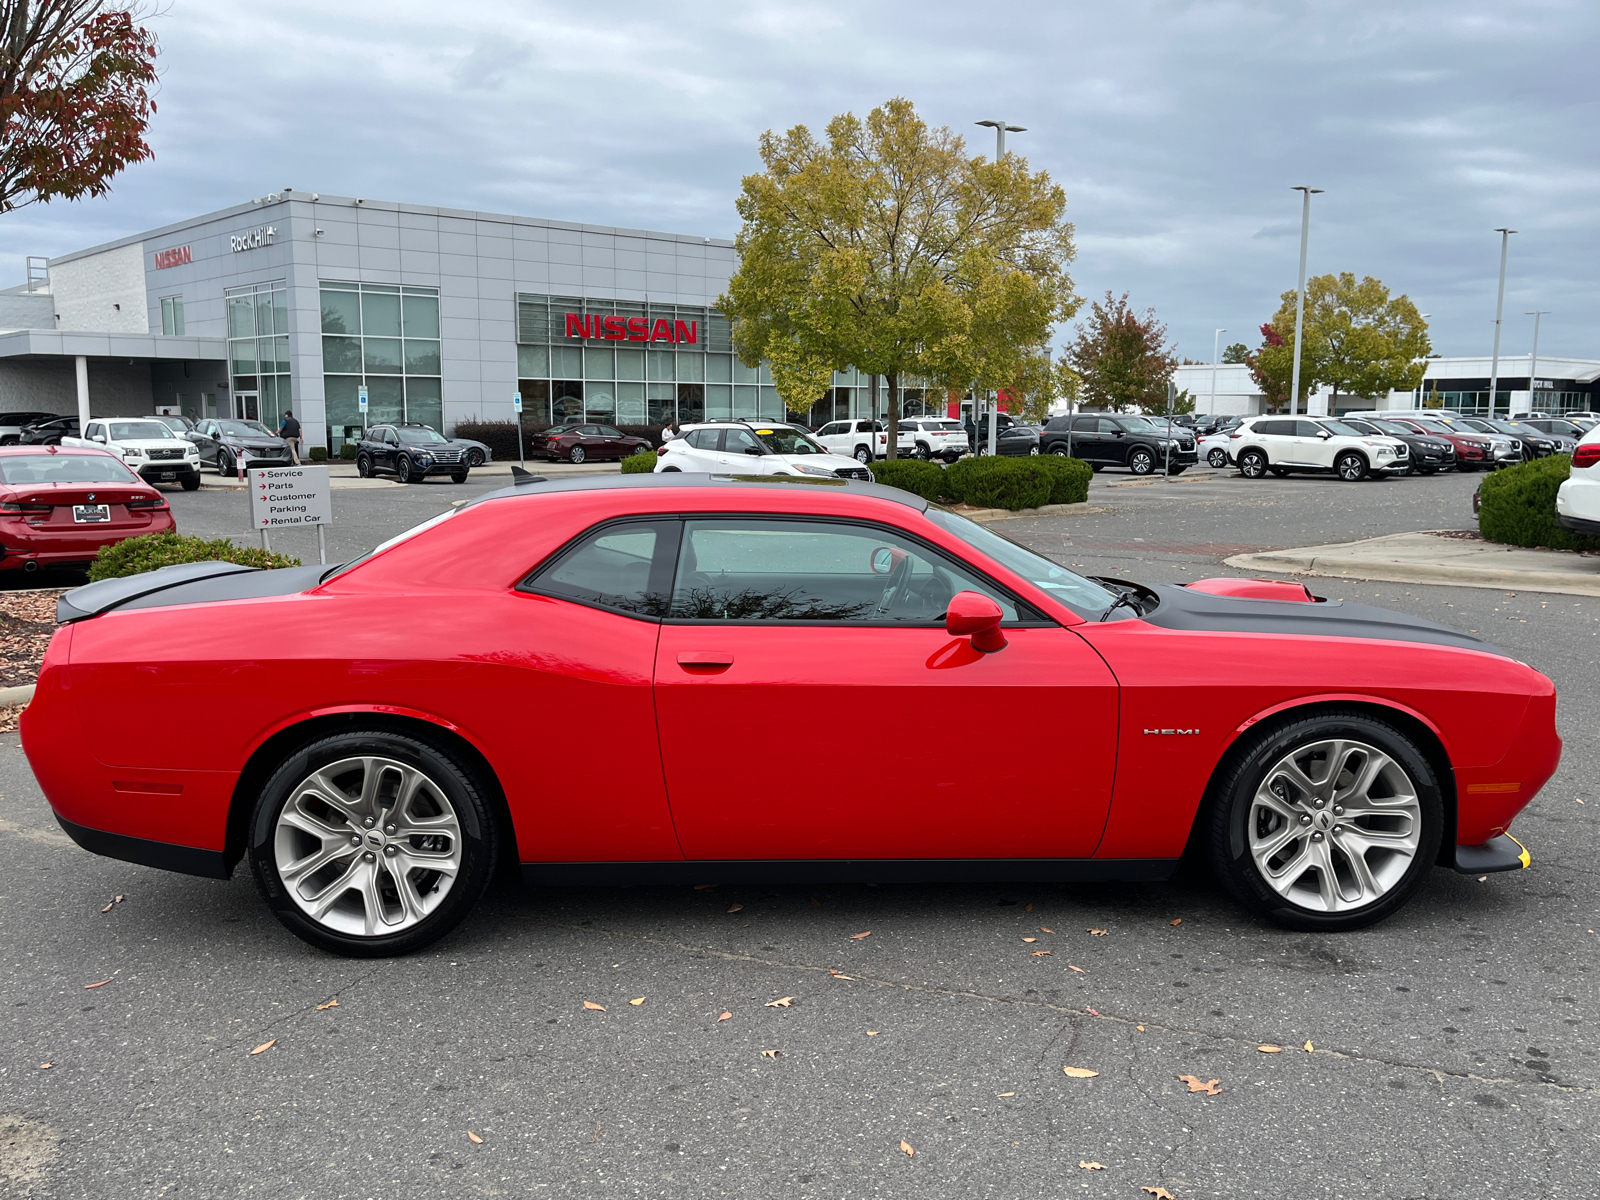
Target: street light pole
1000 130
1533 359
1215 338
1499 307
1300 293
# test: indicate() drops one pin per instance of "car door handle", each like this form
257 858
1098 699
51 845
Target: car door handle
713 659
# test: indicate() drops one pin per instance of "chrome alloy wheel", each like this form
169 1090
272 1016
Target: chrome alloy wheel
1334 825
367 846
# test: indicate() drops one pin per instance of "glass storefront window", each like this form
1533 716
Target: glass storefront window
566 400
340 354
598 363
381 355
719 368
380 312
630 364
421 310
387 338
533 362
258 347
341 309
425 402
422 357
661 365
172 316
630 403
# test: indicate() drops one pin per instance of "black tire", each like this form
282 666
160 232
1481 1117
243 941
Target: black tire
1033 450
923 451
1141 461
474 457
641 449
191 483
1096 468
458 477
1253 464
672 470
1350 467
404 470
1176 471
480 839
1060 450
363 466
1234 794
1217 458
863 454
576 455
225 464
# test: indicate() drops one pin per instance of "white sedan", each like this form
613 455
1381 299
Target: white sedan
1213 449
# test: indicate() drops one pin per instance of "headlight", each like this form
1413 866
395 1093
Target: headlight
423 460
805 470
133 452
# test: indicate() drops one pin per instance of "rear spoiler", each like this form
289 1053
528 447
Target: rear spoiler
101 597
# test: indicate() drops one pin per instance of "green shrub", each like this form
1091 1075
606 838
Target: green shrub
639 464
137 555
319 454
1069 478
1518 506
912 475
1009 483
347 451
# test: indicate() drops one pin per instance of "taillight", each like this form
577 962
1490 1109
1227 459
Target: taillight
1586 455
11 506
144 503
1236 435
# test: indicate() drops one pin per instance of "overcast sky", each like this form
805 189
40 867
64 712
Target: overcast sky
1176 129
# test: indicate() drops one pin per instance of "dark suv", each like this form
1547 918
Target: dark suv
413 452
49 433
1102 440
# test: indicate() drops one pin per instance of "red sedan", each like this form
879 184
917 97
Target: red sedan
376 765
58 506
579 442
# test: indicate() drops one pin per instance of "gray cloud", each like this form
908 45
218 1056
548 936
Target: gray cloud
1176 128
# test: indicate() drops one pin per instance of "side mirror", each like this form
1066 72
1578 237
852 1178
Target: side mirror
97 438
1324 434
752 450
974 615
885 559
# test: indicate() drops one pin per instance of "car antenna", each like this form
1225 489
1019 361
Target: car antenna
520 477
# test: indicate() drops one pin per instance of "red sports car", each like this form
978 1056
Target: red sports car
378 763
58 506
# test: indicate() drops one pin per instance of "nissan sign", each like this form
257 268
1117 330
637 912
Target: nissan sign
633 329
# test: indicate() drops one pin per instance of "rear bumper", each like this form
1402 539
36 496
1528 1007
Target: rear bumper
21 544
1503 853
1578 524
189 860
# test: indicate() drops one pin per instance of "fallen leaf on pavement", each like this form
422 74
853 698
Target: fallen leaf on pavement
1079 1072
771 1053
1309 1047
1093 1012
1140 1028
593 1007
1160 1193
264 1047
872 1033
905 1148
45 1066
1079 970
1179 921
735 908
108 907
334 1003
118 899
1576 798
1099 932
1045 929
725 1016
1091 1166
840 975
474 1138
1483 879
1040 953
102 983
1003 1095
856 937
1210 1087
637 1002
815 903
1027 908
785 1002
1268 1048
1030 939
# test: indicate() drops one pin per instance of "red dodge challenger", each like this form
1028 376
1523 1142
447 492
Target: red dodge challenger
375 737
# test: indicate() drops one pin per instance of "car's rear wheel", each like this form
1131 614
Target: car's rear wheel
1141 461
363 466
1350 467
576 454
1328 822
641 448
371 843
863 454
1218 457
923 451
1253 464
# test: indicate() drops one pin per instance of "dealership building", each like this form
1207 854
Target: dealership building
300 300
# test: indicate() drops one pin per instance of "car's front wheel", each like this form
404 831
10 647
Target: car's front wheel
1328 822
1253 464
191 483
404 470
371 843
1141 461
225 463
1350 467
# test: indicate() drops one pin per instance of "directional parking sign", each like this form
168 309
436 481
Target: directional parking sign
361 399
284 497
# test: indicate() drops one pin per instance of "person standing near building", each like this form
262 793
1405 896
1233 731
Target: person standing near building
289 431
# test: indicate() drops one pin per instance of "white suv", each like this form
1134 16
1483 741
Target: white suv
932 437
147 445
1321 446
752 448
860 440
1578 499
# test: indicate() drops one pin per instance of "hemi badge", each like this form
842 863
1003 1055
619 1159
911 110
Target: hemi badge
1494 787
1178 733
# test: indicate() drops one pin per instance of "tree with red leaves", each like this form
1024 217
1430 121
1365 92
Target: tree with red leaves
76 78
1270 375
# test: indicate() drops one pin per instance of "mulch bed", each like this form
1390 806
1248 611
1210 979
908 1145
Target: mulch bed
27 619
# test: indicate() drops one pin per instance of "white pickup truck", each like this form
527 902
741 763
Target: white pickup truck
148 446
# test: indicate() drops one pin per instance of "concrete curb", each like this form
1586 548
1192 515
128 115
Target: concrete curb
16 695
1355 565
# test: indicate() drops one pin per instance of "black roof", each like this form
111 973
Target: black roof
538 485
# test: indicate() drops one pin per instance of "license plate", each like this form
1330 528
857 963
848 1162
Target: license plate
165 475
91 514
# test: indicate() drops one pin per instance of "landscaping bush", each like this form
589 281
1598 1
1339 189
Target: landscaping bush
1518 506
347 451
319 454
1009 483
639 464
1069 478
913 475
137 555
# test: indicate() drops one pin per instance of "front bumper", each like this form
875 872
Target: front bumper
1503 853
170 472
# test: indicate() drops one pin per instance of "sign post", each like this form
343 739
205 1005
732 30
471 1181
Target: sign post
516 403
289 498
361 402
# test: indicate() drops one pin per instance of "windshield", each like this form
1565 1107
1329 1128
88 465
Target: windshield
785 439
1391 428
63 468
1343 430
124 431
244 428
421 437
1142 424
176 424
1085 598
1480 426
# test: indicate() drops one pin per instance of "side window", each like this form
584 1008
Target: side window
391 438
1272 428
615 567
815 571
1307 429
607 431
1104 425
95 430
1085 424
828 430
740 441
704 439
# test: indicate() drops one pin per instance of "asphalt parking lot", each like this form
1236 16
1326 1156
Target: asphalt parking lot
1449 1052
